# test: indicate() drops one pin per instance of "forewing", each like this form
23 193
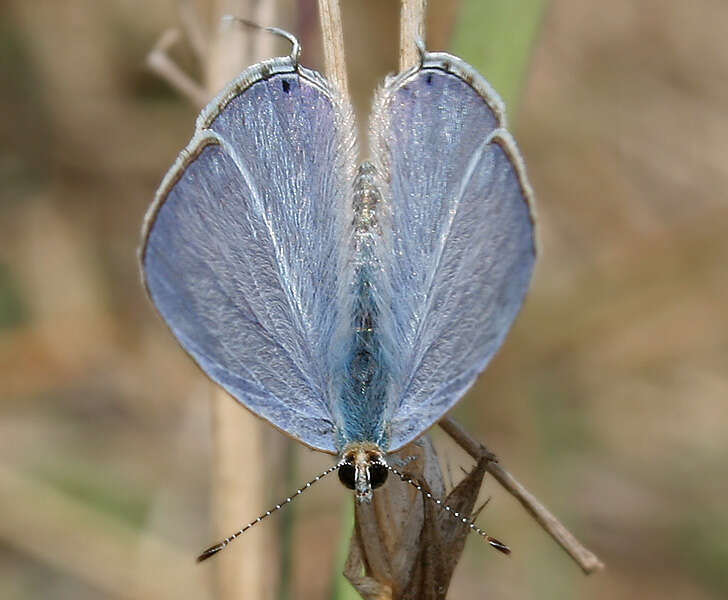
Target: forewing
242 251
461 247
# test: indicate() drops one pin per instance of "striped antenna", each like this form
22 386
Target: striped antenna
214 549
497 544
295 46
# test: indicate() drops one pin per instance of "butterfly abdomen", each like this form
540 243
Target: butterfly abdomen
365 378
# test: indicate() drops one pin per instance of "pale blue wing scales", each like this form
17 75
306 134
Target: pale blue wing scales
461 241
241 253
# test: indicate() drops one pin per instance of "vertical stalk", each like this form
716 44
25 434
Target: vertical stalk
333 43
411 29
287 519
239 461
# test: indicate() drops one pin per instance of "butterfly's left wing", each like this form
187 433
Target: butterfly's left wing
461 245
244 248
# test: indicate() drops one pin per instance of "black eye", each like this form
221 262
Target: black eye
377 474
347 474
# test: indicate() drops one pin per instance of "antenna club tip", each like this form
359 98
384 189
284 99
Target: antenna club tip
498 545
211 551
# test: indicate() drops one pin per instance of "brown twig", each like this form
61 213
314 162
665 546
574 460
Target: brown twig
586 559
411 30
160 63
239 464
333 42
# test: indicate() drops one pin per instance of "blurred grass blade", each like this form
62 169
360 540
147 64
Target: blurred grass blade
13 310
72 537
288 518
496 37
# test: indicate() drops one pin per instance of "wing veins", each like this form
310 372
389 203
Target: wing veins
477 155
473 342
292 305
297 296
258 325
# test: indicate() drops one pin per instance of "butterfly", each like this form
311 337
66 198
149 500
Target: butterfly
348 304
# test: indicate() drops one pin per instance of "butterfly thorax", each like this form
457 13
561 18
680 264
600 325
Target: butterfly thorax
364 381
366 207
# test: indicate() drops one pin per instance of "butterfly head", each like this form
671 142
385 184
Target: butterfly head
363 468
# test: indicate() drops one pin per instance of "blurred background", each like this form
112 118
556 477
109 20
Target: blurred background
608 399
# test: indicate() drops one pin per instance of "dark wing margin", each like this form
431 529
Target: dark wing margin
461 243
241 250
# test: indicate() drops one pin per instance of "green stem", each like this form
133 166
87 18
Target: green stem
496 37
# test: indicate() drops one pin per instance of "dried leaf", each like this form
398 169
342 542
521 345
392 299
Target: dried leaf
404 546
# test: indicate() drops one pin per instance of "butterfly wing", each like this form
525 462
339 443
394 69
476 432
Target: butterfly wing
241 252
461 247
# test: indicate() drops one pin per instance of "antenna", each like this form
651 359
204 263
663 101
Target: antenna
215 548
497 544
295 46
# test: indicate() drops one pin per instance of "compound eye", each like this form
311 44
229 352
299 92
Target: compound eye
377 474
347 475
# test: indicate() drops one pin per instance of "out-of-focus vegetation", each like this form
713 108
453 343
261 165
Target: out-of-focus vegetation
497 38
608 399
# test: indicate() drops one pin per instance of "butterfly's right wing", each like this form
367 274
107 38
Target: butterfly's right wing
244 247
461 241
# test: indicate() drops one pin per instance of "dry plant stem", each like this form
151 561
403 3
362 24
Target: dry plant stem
412 28
403 547
237 437
586 559
239 461
160 63
333 41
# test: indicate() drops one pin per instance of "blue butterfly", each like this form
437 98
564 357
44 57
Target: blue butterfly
349 306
